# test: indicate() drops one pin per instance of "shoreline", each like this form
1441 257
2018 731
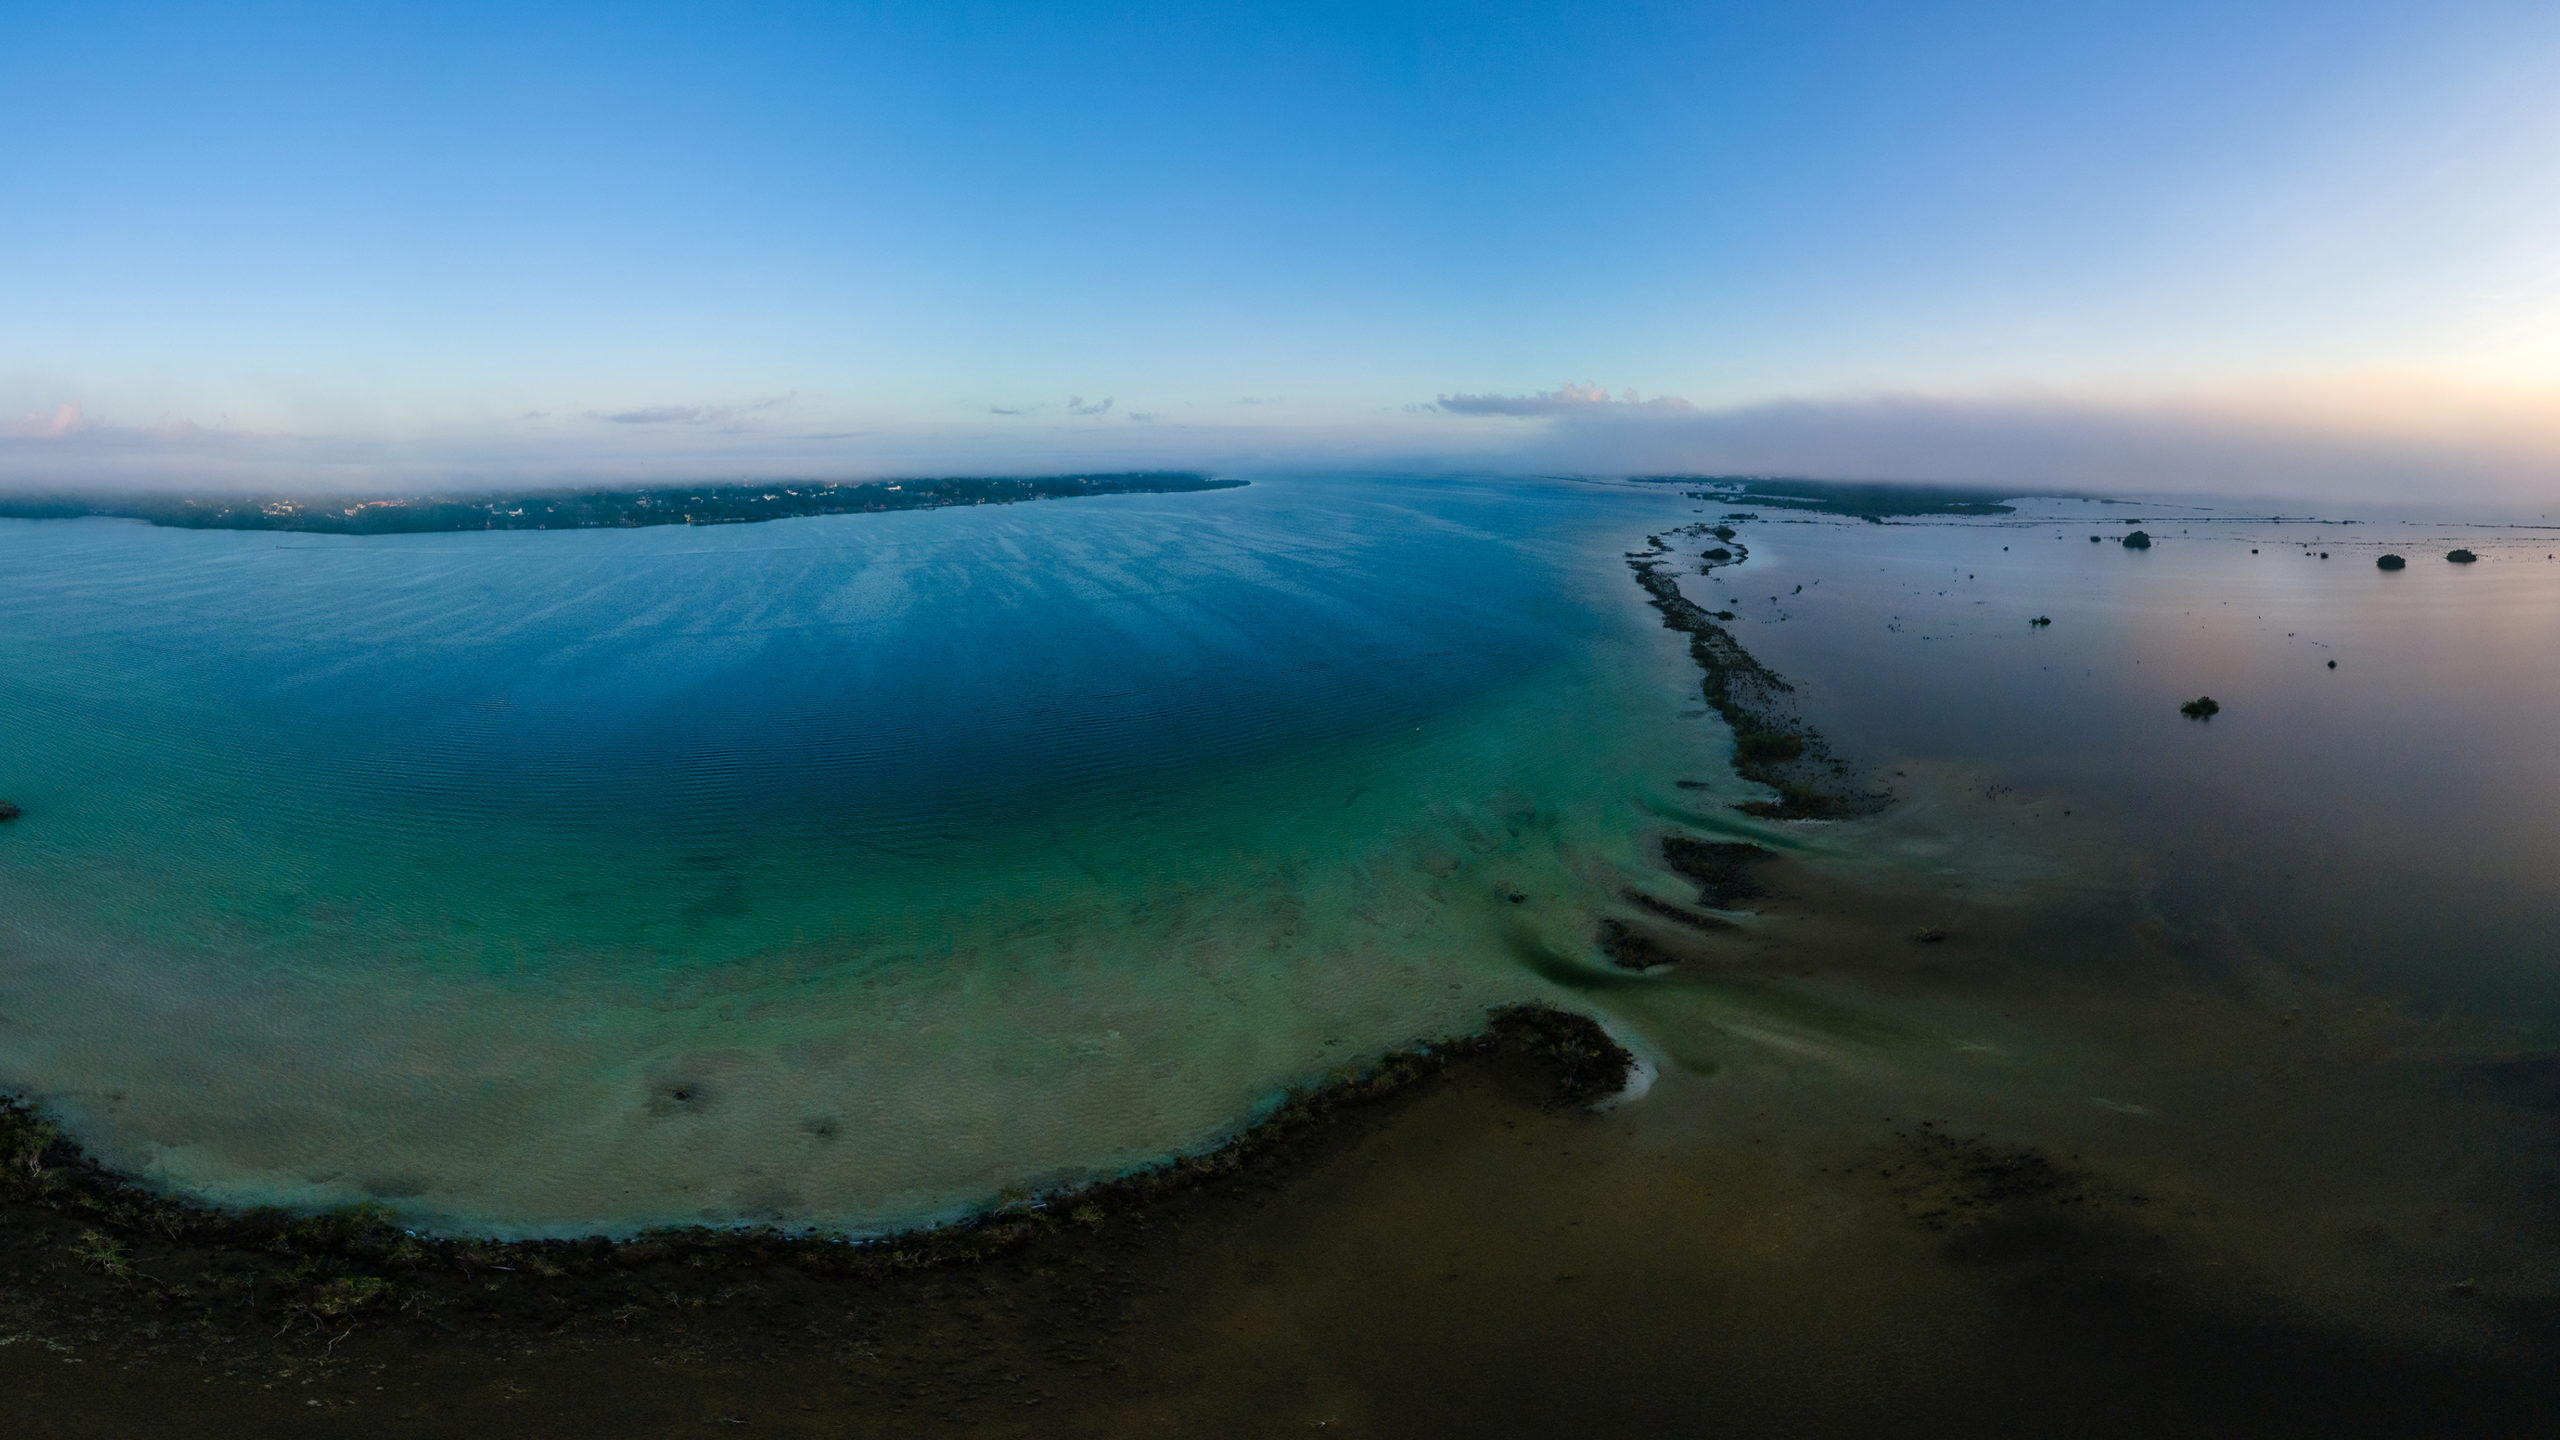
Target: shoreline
269 1269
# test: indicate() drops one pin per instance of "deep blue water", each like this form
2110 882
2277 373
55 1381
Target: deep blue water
1046 837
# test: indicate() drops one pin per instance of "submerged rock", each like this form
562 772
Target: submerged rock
2387 562
2203 707
9 811
1721 869
2460 557
1631 949
1765 745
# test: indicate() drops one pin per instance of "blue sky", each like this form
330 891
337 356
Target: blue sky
355 244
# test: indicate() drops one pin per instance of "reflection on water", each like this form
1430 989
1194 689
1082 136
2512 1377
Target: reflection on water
2278 985
2379 794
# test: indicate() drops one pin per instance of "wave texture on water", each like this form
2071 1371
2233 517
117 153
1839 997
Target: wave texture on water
843 871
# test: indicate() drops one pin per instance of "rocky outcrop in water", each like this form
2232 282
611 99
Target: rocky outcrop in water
1772 746
1721 869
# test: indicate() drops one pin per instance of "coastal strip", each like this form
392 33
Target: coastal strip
113 1250
594 509
1772 744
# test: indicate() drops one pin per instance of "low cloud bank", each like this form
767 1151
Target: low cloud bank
2316 447
2376 444
1571 401
609 450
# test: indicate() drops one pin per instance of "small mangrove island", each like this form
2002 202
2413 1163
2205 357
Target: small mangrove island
593 509
1865 500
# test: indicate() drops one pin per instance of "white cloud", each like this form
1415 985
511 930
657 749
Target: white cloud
65 419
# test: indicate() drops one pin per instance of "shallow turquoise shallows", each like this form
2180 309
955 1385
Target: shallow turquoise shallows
842 871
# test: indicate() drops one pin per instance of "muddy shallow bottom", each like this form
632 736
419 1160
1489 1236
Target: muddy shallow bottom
1808 1227
2068 1095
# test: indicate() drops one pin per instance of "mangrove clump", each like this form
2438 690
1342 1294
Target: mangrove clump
2203 707
2387 562
2460 557
2138 540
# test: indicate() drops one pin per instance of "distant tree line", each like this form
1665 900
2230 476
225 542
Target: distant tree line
592 509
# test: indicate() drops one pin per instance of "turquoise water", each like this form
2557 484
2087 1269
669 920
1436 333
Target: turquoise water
845 870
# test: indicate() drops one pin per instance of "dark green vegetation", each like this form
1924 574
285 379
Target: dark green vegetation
2387 562
1772 745
1631 949
592 509
2203 707
2039 622
1721 869
2138 540
1869 500
2460 557
82 1240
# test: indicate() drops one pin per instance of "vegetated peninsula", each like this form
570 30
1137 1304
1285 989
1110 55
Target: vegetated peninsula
593 509
1866 499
